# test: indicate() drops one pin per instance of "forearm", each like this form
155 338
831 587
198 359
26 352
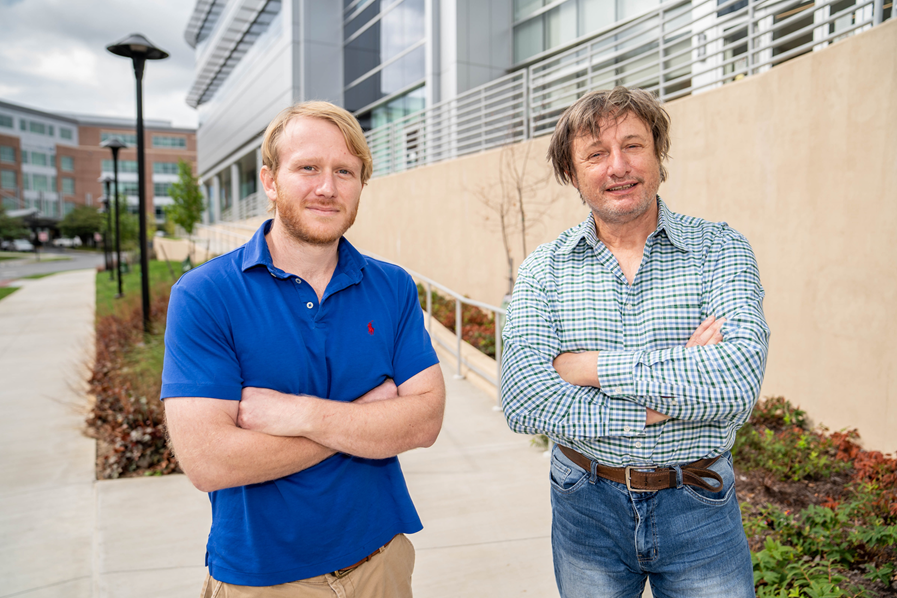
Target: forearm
215 454
383 423
536 400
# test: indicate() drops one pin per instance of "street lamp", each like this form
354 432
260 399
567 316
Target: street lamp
115 144
139 50
107 253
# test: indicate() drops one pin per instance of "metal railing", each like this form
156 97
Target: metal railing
680 47
251 206
498 316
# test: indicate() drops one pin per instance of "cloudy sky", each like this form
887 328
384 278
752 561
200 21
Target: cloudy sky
53 57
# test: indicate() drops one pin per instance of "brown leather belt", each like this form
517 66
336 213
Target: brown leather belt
651 481
343 572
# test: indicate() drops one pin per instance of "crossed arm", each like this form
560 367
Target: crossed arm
269 435
581 369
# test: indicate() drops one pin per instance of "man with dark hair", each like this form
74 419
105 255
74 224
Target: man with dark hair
296 369
636 341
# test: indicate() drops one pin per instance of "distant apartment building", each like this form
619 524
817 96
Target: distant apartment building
53 162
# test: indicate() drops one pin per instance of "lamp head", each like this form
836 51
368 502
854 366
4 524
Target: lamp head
113 143
137 46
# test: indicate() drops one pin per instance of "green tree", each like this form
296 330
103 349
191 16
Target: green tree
82 222
129 224
11 228
187 202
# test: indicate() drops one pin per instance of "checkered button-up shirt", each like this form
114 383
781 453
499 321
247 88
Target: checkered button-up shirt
571 296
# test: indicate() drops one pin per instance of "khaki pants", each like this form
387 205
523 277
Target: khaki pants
387 575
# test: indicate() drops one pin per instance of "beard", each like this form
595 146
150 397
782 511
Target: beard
301 227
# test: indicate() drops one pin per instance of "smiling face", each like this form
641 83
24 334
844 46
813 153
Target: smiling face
618 173
318 182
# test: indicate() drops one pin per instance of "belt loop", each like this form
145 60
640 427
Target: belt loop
593 471
678 469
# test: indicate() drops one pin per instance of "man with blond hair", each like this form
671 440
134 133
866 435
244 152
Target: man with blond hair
296 369
636 341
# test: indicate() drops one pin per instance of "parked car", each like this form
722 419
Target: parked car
64 242
21 245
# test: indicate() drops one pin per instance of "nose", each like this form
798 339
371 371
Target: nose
618 164
326 185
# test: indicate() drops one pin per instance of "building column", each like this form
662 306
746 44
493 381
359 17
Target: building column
235 191
216 199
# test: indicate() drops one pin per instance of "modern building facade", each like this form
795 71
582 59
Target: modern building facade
53 162
436 79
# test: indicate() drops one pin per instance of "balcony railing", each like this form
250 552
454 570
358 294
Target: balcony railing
679 48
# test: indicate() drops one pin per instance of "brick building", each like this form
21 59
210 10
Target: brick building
53 162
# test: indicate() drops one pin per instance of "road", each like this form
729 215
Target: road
29 265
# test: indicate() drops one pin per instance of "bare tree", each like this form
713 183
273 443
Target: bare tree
519 196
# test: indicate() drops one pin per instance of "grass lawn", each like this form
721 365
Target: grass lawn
159 274
7 291
36 276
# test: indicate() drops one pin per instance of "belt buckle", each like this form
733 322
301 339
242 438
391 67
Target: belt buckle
627 474
340 573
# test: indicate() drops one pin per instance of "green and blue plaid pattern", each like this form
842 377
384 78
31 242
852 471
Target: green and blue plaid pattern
571 296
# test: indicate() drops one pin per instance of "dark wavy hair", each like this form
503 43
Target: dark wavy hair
584 116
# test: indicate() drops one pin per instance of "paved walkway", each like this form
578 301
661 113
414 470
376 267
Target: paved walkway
481 490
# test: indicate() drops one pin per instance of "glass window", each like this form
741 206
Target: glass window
524 8
40 182
596 14
527 39
68 185
66 163
628 8
7 179
161 189
366 92
38 128
6 121
129 139
66 133
165 167
127 188
368 12
7 154
50 131
123 166
401 27
23 124
362 54
166 141
53 186
26 181
403 72
39 158
560 25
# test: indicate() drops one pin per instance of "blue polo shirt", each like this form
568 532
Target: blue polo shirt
239 321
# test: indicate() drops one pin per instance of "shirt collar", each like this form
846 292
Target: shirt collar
349 266
587 230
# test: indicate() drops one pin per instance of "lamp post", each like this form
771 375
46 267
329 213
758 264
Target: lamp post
139 50
107 253
115 144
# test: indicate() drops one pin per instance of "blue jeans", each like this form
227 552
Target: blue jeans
606 541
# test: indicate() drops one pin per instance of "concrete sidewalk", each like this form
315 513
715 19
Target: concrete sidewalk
481 490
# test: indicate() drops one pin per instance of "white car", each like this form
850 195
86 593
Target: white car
63 242
22 245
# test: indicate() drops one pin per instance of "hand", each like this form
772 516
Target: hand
580 369
385 391
654 417
708 333
266 410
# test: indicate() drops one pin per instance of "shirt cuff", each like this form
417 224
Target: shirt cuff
615 372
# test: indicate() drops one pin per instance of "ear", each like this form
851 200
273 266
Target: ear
572 177
268 183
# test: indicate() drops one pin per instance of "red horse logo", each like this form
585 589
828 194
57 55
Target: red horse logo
371 328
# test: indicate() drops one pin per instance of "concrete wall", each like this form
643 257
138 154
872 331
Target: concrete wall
801 159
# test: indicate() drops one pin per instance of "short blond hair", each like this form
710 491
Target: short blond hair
584 117
343 119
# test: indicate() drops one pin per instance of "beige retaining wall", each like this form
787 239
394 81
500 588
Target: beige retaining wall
801 159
